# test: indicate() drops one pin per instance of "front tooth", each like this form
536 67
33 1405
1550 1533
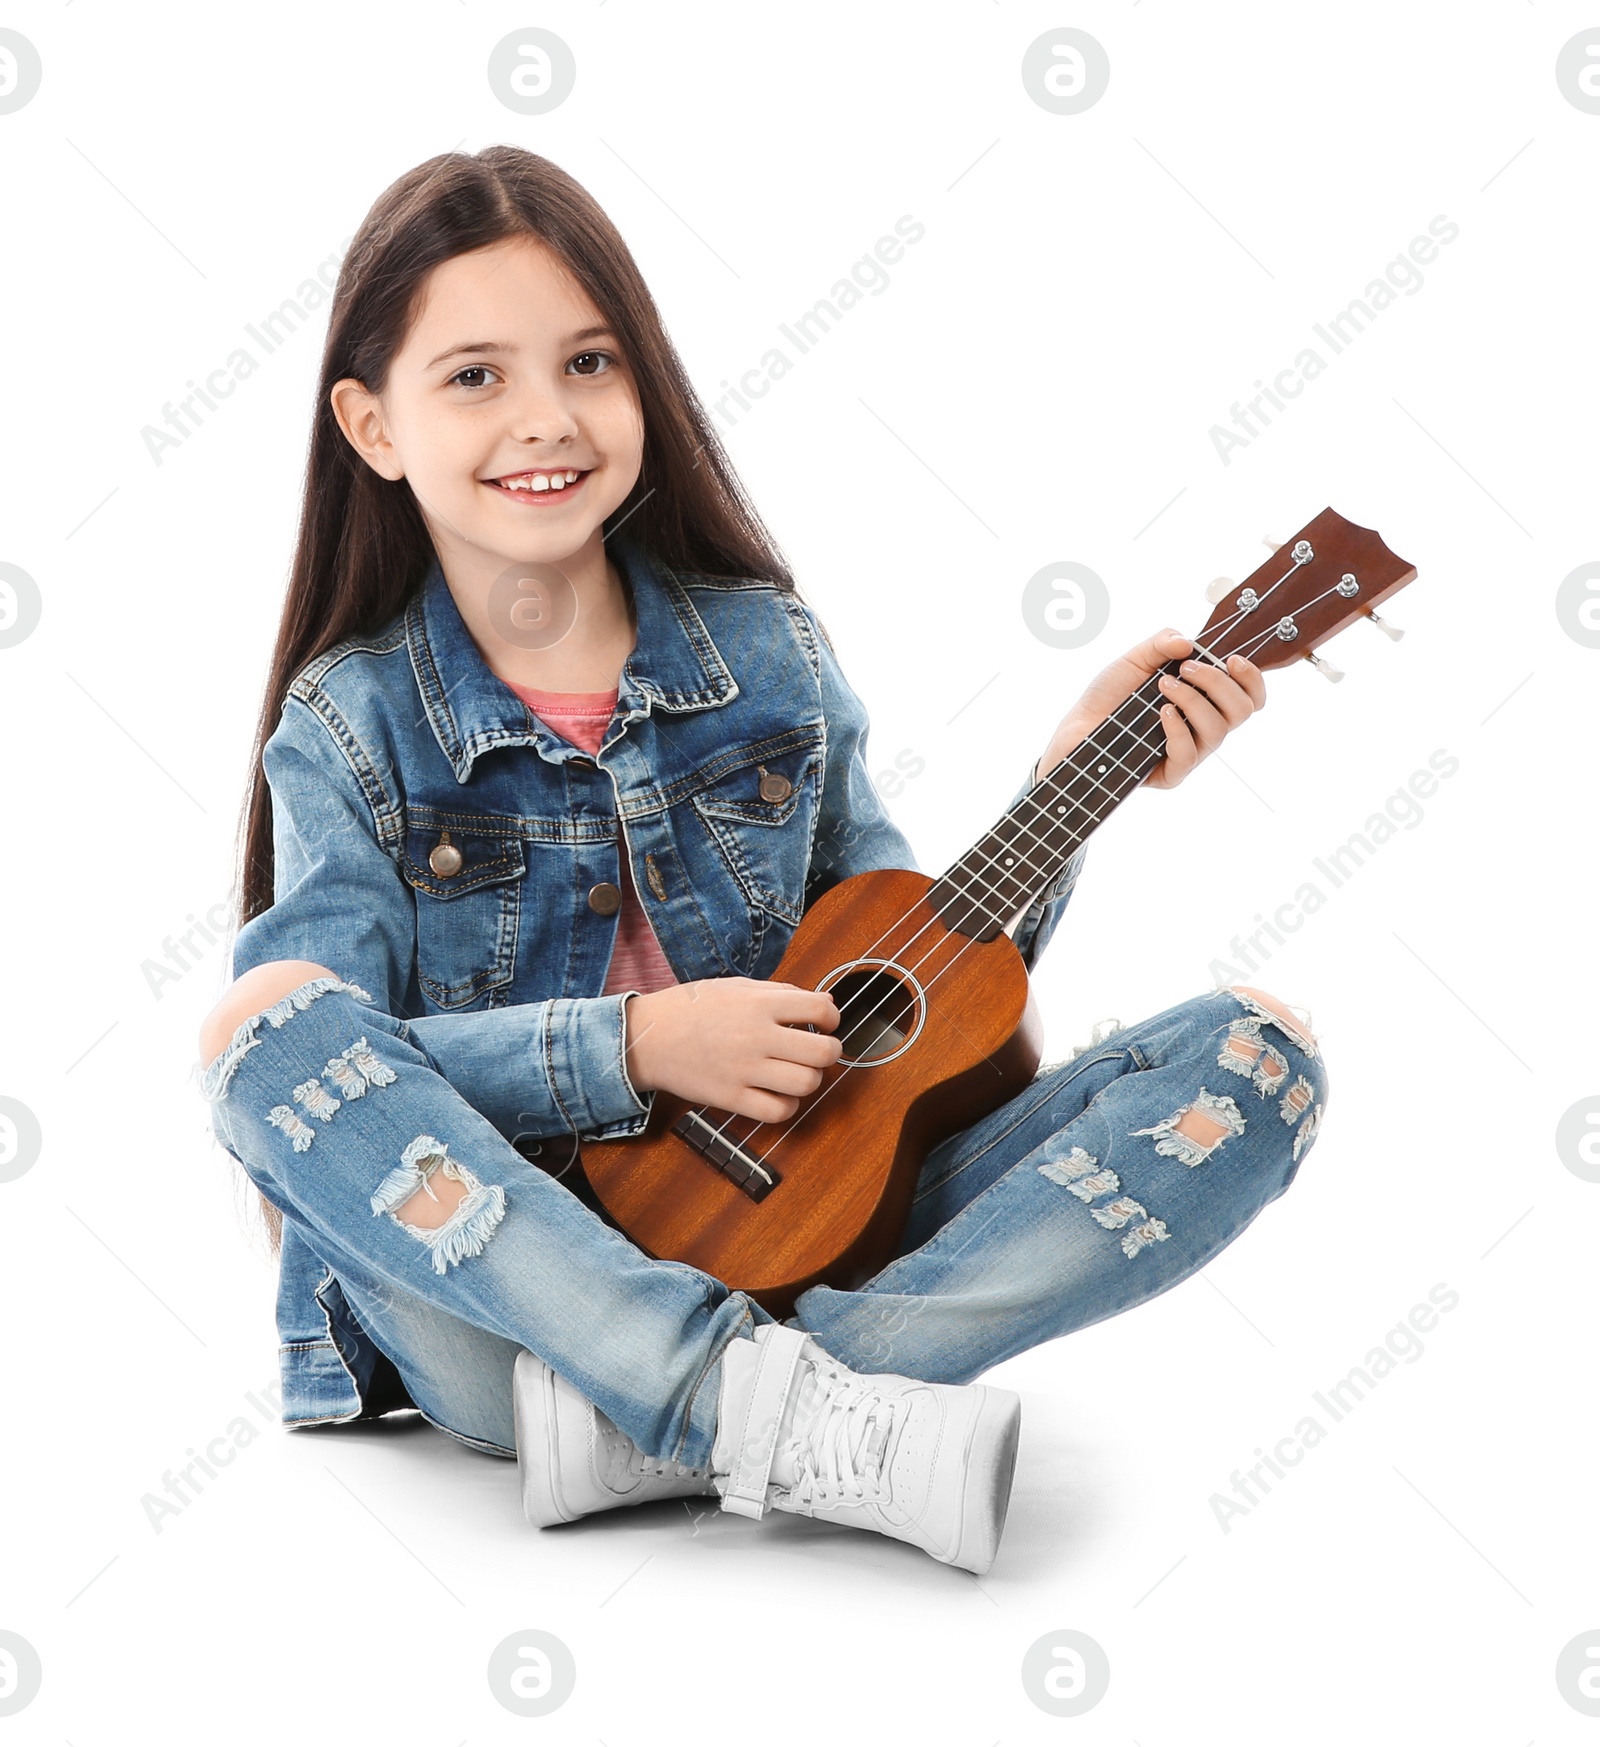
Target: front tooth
539 482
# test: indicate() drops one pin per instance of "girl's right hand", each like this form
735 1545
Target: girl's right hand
735 1043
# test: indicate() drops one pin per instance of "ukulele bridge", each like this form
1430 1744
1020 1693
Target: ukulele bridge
756 1179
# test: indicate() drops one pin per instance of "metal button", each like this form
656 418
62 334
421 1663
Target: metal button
773 786
605 899
444 858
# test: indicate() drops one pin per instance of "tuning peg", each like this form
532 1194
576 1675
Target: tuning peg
1219 588
1325 668
1392 632
1270 544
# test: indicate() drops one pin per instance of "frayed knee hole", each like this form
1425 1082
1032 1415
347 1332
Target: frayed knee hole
1199 1127
1298 1028
433 1203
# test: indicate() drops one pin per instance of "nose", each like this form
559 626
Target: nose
542 413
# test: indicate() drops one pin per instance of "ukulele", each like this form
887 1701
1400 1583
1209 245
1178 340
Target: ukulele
936 1013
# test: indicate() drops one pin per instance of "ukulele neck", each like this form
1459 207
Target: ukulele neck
1328 575
1028 848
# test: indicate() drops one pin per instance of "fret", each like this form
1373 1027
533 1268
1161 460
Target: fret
1025 852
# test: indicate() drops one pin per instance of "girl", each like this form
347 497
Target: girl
553 758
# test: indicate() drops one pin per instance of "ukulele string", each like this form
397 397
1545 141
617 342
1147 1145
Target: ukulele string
986 887
1081 806
786 1129
1138 740
1244 612
1107 756
1027 832
983 885
1218 661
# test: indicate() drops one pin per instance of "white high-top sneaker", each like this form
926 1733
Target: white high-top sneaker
928 1463
574 1460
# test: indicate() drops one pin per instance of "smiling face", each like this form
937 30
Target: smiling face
509 411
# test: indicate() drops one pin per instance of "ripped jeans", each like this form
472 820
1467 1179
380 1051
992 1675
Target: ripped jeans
1111 1177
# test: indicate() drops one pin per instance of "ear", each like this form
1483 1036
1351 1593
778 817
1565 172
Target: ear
360 416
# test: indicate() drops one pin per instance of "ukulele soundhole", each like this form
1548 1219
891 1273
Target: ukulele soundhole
881 1009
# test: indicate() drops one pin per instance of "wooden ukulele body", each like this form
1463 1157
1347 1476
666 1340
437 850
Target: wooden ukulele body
966 1035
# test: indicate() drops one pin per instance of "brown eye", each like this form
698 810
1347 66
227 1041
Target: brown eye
480 370
592 358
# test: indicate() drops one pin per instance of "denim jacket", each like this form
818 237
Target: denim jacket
393 740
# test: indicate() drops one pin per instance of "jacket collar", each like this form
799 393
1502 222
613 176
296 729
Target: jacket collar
674 665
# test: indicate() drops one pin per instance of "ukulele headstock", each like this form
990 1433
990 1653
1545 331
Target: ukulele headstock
1319 580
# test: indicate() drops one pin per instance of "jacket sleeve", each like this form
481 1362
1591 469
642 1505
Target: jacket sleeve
534 1068
854 831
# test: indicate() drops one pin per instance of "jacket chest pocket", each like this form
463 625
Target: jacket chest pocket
760 815
467 874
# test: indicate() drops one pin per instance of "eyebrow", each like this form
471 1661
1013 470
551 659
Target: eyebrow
497 346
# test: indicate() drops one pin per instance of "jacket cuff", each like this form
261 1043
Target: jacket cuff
586 1064
540 1067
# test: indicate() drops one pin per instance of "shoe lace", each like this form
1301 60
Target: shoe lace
840 1456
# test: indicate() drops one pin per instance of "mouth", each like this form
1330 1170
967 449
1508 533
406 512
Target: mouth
540 486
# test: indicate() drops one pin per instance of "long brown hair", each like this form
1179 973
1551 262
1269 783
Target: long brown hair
362 547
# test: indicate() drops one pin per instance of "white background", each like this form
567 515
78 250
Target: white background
1037 384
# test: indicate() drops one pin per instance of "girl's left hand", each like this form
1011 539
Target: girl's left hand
1203 705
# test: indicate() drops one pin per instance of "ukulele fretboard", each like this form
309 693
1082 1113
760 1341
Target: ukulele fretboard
1029 846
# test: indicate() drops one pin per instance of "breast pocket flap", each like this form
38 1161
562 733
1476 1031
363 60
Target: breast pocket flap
766 790
450 861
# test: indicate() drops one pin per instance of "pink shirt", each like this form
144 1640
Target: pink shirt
637 961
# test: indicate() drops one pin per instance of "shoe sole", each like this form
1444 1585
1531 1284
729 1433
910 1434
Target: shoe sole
533 1413
991 1464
